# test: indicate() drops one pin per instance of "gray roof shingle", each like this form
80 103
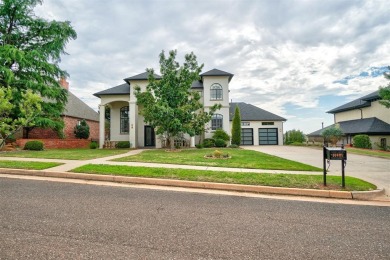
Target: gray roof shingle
252 113
78 109
369 126
142 76
118 90
216 72
357 103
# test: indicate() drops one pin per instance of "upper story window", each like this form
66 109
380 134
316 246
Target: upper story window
216 121
124 121
216 92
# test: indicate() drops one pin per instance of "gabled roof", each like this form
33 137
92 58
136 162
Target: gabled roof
142 76
77 108
357 103
216 72
370 126
252 113
118 90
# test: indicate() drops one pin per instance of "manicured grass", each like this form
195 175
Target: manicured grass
264 179
240 158
375 153
28 165
66 154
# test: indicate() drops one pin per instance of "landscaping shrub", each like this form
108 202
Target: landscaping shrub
208 142
34 146
362 141
221 134
199 146
294 137
233 146
217 153
236 127
81 130
123 144
93 145
220 143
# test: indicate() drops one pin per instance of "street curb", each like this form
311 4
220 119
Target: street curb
360 195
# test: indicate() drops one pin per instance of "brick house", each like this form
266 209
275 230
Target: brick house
75 111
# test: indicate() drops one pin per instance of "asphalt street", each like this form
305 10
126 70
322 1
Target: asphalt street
51 220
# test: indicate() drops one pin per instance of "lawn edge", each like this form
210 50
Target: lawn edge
361 195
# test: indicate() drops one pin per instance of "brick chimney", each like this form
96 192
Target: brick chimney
64 83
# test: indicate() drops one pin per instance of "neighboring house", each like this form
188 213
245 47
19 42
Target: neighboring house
75 111
260 127
364 115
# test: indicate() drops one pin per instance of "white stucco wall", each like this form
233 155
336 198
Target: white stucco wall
115 134
375 110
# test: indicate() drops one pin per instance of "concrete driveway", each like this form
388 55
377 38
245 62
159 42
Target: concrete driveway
371 169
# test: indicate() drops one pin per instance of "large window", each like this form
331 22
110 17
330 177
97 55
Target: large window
216 92
125 120
216 121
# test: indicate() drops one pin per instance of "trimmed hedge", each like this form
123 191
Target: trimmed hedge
220 143
34 146
362 141
208 142
93 145
123 144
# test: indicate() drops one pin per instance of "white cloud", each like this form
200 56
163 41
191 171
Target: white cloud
282 53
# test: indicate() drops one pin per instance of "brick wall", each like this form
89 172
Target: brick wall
58 143
70 123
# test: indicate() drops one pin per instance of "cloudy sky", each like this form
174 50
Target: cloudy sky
297 59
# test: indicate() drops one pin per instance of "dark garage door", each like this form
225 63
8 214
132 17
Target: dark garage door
246 136
268 136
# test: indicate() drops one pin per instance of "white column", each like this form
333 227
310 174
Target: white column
133 133
192 141
102 120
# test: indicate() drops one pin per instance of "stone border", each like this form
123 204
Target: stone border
359 195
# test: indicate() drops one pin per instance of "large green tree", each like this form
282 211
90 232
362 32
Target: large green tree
384 92
169 104
30 50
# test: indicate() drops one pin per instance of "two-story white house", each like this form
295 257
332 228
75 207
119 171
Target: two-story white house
364 115
126 124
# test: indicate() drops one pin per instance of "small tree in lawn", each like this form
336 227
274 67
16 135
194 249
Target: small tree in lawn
29 108
236 127
332 134
169 104
81 130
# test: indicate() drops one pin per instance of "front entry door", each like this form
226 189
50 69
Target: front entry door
149 138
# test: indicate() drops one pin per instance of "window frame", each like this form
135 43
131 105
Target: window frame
216 92
216 122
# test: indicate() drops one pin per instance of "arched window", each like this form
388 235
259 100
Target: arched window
124 120
216 92
216 121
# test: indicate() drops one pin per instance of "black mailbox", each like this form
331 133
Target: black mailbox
333 153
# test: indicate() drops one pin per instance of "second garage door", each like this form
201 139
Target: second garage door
268 136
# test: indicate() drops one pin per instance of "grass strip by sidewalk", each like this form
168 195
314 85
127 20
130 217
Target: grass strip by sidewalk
263 179
28 165
240 158
368 152
65 154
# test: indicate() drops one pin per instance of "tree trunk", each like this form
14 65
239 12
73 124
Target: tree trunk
172 142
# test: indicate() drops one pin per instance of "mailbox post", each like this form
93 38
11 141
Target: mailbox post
335 153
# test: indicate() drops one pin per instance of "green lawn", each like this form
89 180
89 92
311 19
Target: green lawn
28 165
375 153
66 154
240 158
264 179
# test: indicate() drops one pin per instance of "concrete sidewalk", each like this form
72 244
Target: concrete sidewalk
62 172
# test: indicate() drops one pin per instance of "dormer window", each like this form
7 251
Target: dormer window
216 92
